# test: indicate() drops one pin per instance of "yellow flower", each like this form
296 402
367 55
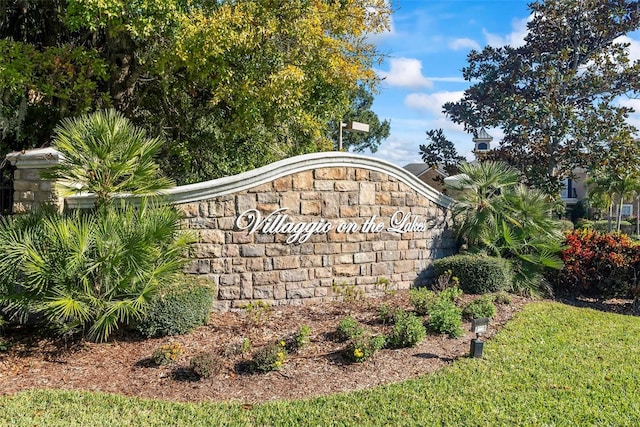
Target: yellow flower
282 343
358 353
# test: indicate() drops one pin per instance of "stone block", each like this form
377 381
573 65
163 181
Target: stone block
343 259
22 185
310 207
346 186
246 285
403 266
388 256
323 185
230 251
362 175
263 188
291 201
229 292
350 247
346 270
241 237
212 236
303 181
252 250
263 292
301 293
367 193
307 261
322 272
330 173
330 206
283 184
383 198
361 258
279 292
294 275
349 211
266 278
205 250
381 269
378 176
286 262
321 292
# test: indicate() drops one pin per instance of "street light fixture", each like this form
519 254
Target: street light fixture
351 127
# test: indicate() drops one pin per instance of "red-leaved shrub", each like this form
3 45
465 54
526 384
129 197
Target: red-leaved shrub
602 265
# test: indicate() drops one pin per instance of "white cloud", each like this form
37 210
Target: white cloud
634 48
405 72
514 39
464 43
431 102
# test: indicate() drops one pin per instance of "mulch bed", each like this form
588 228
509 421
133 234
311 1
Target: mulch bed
123 364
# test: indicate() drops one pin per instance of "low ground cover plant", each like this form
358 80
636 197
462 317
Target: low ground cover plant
480 307
167 354
408 330
363 347
204 365
270 357
445 318
348 329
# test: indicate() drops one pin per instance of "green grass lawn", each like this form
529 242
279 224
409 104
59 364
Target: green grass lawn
552 365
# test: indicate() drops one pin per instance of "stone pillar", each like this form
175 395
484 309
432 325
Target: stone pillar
30 189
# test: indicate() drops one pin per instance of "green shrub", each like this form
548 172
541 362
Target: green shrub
477 274
363 347
270 357
480 307
258 312
349 329
565 225
450 294
205 365
178 309
89 272
386 314
421 299
407 331
299 340
584 223
167 353
502 298
445 318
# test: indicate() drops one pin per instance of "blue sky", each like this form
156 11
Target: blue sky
425 52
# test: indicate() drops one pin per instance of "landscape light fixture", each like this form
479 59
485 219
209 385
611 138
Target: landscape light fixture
351 127
478 326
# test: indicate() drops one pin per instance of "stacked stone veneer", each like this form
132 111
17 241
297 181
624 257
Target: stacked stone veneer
337 188
264 267
30 189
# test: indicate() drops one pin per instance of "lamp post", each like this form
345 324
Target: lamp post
351 127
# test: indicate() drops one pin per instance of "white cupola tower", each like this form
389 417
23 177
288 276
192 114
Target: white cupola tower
483 142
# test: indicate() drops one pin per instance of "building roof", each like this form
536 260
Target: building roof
420 168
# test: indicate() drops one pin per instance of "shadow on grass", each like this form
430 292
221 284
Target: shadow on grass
614 305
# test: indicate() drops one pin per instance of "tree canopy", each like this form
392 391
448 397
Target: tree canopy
440 152
556 97
230 84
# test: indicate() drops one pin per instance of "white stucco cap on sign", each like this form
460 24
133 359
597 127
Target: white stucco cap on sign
253 178
38 158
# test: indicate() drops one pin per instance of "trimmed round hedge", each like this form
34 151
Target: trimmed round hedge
478 274
177 309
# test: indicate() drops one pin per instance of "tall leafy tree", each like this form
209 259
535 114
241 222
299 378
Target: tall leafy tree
360 111
231 84
555 97
440 151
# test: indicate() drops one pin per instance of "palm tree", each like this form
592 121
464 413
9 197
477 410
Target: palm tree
480 202
105 154
496 214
